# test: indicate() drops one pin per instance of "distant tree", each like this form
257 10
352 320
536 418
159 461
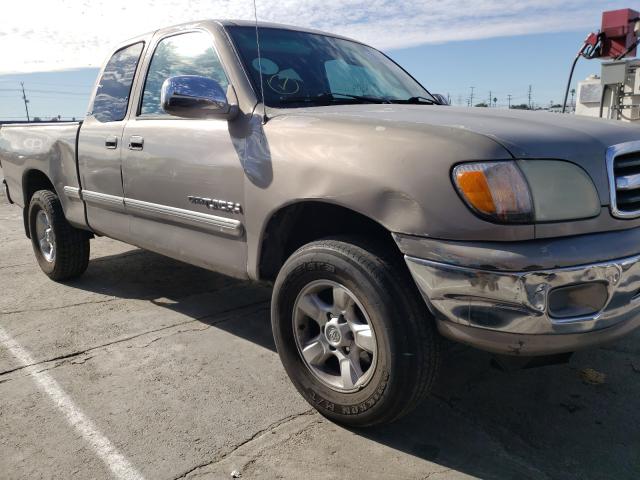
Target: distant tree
522 106
37 119
481 104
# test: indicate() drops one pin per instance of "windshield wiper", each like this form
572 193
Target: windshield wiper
362 98
417 101
329 97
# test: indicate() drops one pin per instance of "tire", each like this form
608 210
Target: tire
65 252
379 293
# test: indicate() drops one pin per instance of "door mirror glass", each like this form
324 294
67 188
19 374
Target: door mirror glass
193 96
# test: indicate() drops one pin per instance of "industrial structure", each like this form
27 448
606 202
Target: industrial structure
615 93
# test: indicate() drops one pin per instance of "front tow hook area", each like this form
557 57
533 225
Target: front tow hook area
510 363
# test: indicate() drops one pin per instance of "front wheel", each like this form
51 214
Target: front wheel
62 251
352 332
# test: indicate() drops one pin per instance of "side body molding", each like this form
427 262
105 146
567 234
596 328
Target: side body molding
199 220
103 200
163 213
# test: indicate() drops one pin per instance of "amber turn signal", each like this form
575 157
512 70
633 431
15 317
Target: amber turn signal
496 190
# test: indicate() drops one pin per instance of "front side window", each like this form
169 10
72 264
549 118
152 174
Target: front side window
183 54
301 68
112 96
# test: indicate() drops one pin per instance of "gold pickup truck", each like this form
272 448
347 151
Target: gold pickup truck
385 219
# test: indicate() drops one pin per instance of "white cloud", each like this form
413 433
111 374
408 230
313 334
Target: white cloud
37 35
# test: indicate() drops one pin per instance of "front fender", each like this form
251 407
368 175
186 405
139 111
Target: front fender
396 174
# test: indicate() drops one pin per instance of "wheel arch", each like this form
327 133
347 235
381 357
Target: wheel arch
295 224
32 181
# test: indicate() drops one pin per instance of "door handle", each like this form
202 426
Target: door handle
136 142
111 142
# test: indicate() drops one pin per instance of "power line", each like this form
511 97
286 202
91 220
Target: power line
32 90
58 92
51 83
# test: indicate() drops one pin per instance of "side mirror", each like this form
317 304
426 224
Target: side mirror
192 96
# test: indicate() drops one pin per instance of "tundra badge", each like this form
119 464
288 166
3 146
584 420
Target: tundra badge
214 204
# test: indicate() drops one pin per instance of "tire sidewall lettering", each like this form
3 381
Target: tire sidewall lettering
358 408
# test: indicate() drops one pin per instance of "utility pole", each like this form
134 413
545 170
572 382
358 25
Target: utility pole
509 97
573 94
490 98
24 97
471 97
530 95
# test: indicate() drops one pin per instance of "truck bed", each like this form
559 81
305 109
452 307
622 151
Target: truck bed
34 152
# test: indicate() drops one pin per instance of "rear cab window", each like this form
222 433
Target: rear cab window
114 89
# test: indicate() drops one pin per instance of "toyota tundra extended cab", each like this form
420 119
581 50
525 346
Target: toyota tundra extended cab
385 220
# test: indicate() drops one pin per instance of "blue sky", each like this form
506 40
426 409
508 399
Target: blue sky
449 45
50 94
504 66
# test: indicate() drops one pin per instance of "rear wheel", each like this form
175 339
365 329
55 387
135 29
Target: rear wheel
62 251
353 333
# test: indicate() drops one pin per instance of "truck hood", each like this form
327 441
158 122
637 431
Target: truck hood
524 134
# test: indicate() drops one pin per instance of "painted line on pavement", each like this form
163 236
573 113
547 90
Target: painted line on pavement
102 446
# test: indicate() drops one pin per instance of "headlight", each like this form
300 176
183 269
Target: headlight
496 190
527 191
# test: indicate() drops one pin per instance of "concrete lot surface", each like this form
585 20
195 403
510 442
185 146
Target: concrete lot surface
146 367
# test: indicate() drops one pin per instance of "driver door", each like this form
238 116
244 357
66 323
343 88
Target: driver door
181 174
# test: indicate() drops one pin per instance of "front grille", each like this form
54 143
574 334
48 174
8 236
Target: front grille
624 172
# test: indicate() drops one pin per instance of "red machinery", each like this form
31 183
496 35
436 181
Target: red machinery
617 39
618 35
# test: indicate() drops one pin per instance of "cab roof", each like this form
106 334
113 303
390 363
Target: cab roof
237 23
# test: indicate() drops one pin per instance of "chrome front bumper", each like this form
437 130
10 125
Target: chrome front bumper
509 312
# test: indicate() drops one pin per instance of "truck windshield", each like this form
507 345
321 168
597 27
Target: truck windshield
301 68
